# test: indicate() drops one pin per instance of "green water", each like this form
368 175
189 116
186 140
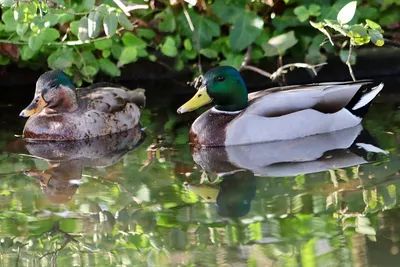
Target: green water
138 200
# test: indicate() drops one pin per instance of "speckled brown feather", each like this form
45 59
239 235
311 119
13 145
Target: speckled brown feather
102 111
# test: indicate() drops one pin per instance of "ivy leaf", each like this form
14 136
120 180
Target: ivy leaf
146 33
301 13
167 23
83 29
103 44
376 37
233 60
26 53
109 67
208 52
125 22
281 43
128 55
50 34
314 10
35 42
50 20
245 30
132 40
227 13
110 24
94 22
9 21
347 12
373 25
205 28
22 28
61 58
168 48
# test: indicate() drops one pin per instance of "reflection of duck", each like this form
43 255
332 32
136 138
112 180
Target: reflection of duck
59 111
282 113
310 154
68 158
232 196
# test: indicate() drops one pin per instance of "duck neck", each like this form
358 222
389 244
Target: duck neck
234 100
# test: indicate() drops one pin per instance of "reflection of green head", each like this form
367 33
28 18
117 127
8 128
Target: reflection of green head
237 192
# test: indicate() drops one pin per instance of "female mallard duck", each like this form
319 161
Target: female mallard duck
280 113
59 111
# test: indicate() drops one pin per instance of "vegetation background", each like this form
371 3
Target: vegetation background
85 37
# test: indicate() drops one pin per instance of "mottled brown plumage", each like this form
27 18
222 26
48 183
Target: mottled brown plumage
61 112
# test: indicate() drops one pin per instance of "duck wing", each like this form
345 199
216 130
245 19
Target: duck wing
109 98
323 97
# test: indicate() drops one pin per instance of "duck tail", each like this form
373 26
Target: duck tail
361 101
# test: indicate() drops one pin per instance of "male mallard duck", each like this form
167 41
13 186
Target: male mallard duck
59 111
280 113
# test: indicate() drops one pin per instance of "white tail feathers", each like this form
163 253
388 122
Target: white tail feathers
371 148
368 97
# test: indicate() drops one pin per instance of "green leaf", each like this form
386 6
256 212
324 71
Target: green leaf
167 21
64 18
233 60
35 42
336 26
61 58
4 60
132 40
344 54
103 44
373 24
142 52
128 55
22 28
83 29
125 22
281 43
9 21
105 53
187 44
26 53
110 24
301 13
94 22
50 20
210 53
7 3
227 13
347 13
245 30
109 67
168 48
357 31
376 37
205 28
116 50
50 34
85 5
189 54
146 33
314 10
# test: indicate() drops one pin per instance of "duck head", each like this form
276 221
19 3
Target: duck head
55 93
224 87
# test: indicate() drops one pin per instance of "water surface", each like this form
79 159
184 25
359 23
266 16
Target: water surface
148 199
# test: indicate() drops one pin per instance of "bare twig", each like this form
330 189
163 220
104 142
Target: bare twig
191 26
255 69
349 64
283 70
247 57
123 7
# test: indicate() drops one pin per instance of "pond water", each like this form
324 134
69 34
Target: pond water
148 199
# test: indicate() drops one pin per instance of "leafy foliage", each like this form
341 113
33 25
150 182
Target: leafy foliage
219 31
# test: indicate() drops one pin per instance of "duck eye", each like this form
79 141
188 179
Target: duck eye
220 78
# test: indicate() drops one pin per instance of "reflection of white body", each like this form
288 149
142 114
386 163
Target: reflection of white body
291 157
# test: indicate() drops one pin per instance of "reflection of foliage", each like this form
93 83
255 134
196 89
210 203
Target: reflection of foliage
135 213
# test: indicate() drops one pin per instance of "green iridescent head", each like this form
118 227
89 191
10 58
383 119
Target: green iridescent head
224 87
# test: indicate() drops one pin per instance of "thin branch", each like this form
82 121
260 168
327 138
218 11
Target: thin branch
247 57
191 26
255 69
123 7
283 70
349 64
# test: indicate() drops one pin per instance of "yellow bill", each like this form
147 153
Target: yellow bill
200 99
37 105
207 192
